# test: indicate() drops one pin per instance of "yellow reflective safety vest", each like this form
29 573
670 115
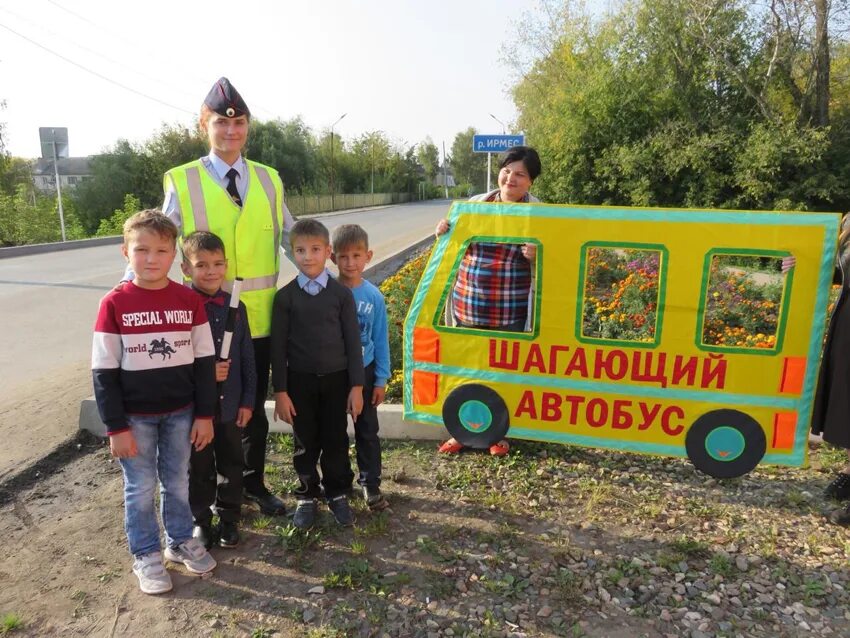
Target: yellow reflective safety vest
251 235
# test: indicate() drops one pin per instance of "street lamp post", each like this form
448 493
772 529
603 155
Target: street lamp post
500 122
333 181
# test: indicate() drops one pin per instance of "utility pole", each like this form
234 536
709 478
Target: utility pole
58 187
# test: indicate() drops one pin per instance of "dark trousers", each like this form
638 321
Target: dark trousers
255 434
320 428
366 439
215 476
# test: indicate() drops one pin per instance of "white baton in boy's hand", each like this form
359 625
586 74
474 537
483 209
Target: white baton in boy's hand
229 326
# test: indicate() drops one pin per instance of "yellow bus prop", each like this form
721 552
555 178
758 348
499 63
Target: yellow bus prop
668 332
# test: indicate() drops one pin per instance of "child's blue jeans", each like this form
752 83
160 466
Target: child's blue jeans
164 450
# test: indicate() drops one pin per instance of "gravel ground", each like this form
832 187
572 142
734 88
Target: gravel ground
549 541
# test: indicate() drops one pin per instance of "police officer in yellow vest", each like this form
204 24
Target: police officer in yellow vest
242 202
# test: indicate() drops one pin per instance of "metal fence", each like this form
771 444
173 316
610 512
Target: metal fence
309 204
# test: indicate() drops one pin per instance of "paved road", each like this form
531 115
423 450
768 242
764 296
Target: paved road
47 307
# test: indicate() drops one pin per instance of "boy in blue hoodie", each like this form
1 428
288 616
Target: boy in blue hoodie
351 254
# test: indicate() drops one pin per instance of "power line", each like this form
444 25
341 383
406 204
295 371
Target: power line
96 53
111 33
96 73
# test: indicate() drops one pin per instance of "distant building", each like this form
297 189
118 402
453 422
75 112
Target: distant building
72 171
444 179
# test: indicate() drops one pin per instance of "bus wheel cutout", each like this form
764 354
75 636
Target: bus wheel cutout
475 416
725 443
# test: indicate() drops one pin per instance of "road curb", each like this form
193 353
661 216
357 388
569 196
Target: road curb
55 247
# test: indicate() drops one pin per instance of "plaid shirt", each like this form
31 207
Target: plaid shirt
492 286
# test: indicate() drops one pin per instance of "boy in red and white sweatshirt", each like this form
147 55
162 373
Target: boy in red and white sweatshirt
153 369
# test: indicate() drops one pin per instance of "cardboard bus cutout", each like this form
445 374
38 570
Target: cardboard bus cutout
670 332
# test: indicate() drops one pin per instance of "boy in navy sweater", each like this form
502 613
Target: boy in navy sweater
215 472
154 382
351 254
317 373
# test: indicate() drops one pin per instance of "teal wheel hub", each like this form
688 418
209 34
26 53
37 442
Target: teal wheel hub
725 443
475 416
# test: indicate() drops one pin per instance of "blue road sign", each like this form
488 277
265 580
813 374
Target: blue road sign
496 143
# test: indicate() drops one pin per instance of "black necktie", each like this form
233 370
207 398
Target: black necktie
231 187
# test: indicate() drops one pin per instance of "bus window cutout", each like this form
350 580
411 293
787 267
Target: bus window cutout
742 305
457 313
622 293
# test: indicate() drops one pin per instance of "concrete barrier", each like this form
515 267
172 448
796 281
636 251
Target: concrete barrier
37 249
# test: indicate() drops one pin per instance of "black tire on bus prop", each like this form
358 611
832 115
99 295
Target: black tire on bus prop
725 443
476 416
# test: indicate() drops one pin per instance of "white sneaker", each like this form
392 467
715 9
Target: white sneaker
193 555
153 578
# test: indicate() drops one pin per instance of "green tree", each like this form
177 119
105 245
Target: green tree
114 225
286 146
685 103
428 156
468 167
122 170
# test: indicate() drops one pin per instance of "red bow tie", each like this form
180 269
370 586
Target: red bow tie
217 300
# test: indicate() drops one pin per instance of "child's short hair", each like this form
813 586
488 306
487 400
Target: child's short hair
309 228
349 235
153 221
200 240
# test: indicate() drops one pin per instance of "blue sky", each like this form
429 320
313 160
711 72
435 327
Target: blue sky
408 68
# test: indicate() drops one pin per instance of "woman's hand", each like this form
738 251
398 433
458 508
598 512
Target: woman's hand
442 227
529 251
788 263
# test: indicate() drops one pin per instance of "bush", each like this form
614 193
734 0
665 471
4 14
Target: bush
398 291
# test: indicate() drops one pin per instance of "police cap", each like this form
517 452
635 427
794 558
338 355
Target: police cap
224 99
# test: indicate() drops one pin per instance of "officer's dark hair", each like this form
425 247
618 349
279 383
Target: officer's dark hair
309 228
349 236
151 220
200 240
525 154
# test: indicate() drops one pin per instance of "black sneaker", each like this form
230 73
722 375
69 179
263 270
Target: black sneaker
269 504
841 516
305 514
375 501
204 534
228 534
339 507
839 488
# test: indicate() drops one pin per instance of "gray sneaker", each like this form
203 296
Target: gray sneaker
338 505
193 555
153 578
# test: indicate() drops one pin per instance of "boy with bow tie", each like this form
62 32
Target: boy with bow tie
205 263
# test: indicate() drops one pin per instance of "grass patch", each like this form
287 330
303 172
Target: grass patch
297 540
690 547
375 525
261 522
721 565
10 622
353 574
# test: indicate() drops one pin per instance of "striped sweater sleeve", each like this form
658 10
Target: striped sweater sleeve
107 349
204 364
